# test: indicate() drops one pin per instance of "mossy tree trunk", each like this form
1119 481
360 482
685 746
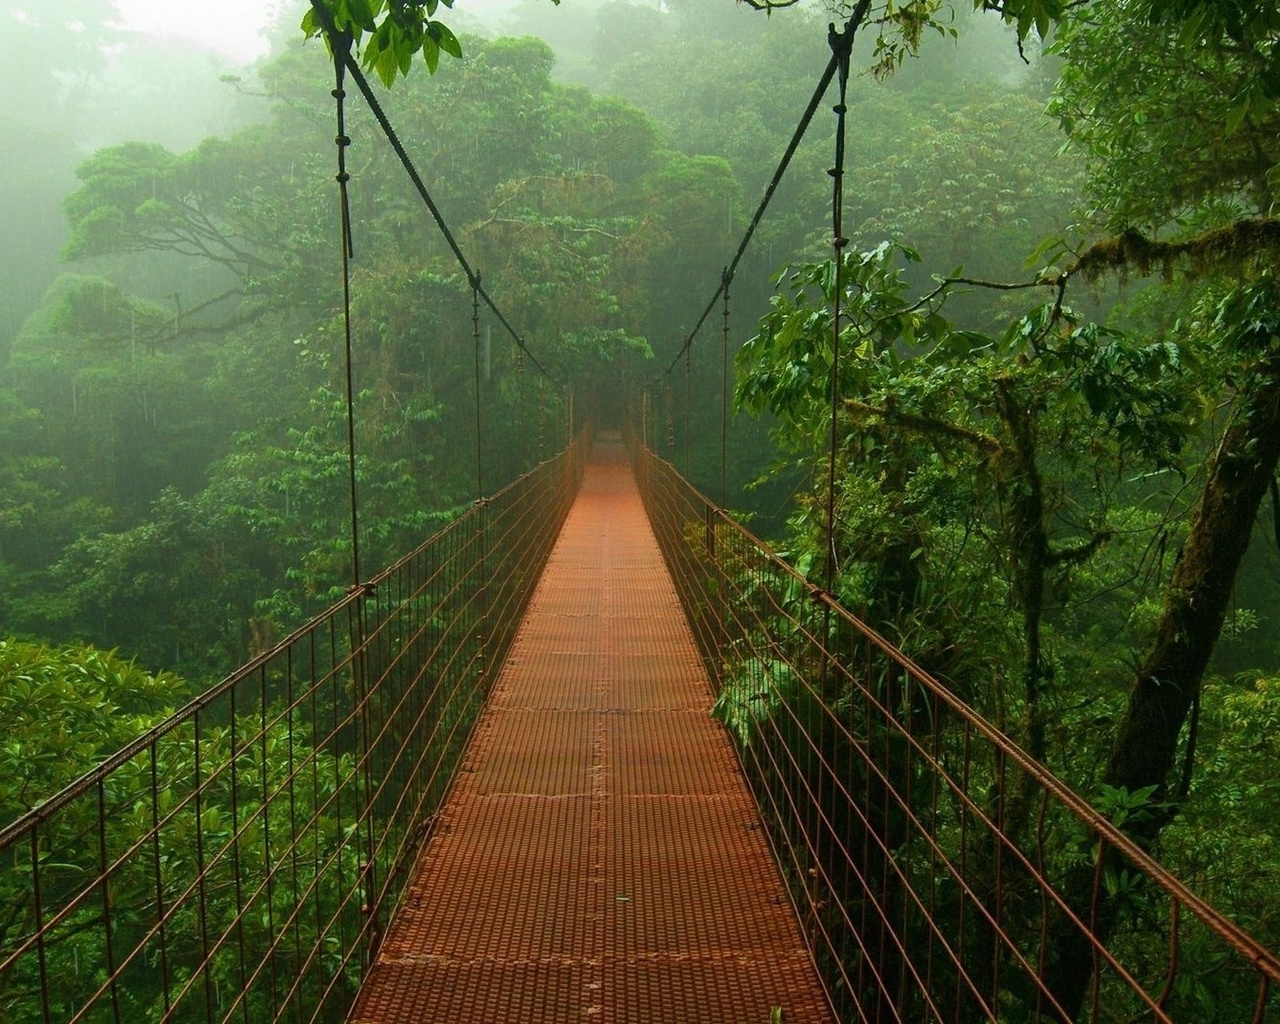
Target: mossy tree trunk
1167 683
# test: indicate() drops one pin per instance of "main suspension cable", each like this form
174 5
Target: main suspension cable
384 122
797 137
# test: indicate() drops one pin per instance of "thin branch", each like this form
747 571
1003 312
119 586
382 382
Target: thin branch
1078 553
1002 286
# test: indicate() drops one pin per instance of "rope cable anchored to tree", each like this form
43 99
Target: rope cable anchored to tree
334 37
841 49
341 55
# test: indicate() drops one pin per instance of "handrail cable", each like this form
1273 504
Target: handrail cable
758 563
473 278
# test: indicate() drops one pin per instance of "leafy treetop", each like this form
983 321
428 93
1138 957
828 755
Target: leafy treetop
396 31
388 34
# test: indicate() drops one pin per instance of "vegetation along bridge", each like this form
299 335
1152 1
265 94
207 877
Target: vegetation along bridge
599 853
594 752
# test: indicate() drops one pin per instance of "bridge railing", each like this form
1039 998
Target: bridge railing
239 861
940 873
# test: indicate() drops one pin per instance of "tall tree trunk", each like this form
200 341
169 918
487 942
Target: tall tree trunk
1167 683
1029 551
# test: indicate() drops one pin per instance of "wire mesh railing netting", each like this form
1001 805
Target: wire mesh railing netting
940 873
239 861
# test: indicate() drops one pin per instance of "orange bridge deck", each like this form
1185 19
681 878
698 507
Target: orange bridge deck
600 858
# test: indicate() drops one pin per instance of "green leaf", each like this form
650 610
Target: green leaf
1236 115
431 52
386 65
447 40
361 14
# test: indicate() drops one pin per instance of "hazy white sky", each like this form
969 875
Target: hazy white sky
232 31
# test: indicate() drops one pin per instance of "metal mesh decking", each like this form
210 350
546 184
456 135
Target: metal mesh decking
600 857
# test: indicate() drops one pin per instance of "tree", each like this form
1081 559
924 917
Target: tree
388 34
68 708
1196 392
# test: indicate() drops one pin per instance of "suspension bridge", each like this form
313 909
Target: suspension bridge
486 786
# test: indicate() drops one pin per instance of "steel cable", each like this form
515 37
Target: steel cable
341 54
797 137
384 122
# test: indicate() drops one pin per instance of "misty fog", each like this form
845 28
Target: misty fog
1050 326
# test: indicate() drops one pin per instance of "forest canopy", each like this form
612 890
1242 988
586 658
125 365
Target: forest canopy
1058 408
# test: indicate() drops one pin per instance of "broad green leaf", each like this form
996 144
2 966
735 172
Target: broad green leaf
447 40
386 65
361 13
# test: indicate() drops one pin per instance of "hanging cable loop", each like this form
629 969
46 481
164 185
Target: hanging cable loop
688 387
475 337
523 432
341 55
841 49
542 418
671 423
725 280
341 51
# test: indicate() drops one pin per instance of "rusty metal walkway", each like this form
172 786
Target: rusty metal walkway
600 858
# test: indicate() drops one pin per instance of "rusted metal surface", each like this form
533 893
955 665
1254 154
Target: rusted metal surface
946 876
237 861
600 858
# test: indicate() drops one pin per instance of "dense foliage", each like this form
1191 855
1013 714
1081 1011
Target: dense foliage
178 456
1053 513
1054 486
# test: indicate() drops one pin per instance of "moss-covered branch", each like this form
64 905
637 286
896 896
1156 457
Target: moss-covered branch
1244 241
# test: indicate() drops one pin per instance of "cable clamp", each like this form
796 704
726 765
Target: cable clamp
821 594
